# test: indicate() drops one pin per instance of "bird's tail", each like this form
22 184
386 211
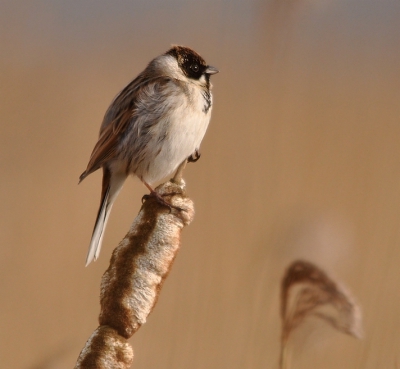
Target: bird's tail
112 184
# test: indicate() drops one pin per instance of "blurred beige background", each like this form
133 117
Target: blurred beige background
302 159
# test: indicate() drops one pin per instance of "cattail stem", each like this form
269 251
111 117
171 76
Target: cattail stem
179 173
131 284
283 360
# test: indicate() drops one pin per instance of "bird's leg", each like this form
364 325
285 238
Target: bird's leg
194 157
159 198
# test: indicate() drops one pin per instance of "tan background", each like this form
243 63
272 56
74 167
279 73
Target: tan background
302 159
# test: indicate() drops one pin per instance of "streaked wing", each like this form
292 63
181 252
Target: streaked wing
119 117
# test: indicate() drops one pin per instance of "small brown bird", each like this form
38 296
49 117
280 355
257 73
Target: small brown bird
155 123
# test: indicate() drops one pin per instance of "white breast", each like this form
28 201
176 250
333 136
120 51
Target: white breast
185 127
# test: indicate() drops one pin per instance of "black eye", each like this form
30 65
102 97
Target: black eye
195 68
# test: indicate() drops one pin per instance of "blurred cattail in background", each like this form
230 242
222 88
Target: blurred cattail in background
306 292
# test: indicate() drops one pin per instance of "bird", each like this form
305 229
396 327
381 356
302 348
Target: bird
153 125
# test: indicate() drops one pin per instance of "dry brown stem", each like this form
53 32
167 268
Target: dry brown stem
131 284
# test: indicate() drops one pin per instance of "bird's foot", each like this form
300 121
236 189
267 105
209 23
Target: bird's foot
194 157
160 199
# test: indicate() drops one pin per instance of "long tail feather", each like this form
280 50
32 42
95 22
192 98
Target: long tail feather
112 184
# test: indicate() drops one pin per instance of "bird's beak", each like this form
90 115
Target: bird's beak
211 70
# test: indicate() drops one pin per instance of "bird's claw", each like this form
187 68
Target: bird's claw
144 198
161 201
194 157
